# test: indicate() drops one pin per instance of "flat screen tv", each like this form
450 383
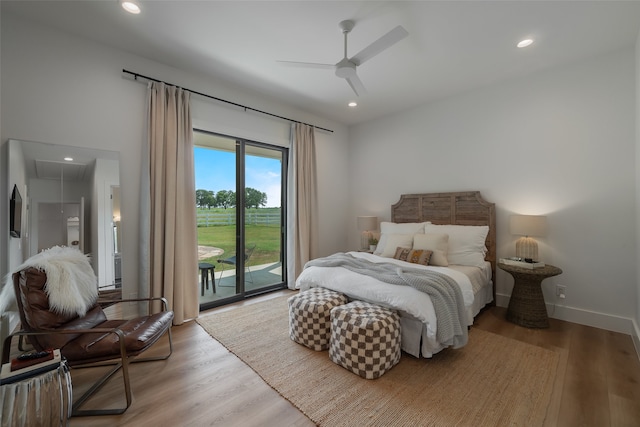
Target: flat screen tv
15 213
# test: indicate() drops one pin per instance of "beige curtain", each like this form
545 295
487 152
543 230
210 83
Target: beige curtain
173 244
302 201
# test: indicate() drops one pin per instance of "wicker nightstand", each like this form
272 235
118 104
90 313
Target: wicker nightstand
526 306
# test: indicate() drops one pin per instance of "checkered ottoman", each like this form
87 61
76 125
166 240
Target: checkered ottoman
365 338
309 316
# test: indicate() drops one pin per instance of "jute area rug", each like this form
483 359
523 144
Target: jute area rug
493 381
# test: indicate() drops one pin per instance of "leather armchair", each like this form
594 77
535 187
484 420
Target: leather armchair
90 340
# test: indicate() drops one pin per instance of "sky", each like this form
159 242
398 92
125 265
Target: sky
216 170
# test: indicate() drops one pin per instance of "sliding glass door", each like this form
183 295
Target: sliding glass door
240 188
263 217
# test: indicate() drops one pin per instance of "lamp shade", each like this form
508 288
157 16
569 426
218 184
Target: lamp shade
528 225
367 223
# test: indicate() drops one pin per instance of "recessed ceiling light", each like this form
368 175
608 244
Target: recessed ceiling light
525 43
130 6
69 159
353 104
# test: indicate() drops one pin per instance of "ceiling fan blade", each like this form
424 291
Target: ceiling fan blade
384 42
307 64
356 84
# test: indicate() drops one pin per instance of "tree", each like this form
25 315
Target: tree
254 198
225 199
211 200
205 199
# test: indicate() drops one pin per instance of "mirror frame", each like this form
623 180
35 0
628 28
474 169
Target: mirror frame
32 166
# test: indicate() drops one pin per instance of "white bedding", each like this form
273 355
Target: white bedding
418 318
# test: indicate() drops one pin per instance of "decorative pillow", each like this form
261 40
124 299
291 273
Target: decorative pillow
466 242
393 241
415 256
438 243
387 228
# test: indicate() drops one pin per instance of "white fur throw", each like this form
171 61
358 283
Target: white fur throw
72 286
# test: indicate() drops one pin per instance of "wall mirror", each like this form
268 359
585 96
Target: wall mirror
70 197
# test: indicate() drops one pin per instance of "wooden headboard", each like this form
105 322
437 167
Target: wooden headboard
461 208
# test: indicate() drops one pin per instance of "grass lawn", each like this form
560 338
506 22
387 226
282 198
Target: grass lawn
266 239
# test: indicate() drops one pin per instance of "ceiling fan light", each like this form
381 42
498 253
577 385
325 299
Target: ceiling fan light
345 69
130 6
525 43
352 104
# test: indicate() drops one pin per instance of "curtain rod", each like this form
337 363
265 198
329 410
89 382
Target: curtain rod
136 75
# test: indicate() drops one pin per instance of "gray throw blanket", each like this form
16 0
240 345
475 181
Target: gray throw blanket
445 293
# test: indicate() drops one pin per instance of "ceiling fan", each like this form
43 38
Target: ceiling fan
346 68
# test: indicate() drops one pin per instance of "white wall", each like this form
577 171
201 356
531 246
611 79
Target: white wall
559 143
17 176
637 322
61 89
4 208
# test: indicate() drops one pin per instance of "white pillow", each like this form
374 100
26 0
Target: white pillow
394 241
387 228
438 243
466 242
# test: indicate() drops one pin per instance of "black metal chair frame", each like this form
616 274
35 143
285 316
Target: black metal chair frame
233 261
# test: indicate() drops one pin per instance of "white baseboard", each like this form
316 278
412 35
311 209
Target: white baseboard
636 337
502 300
589 318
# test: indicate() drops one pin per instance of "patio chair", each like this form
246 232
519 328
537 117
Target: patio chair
233 261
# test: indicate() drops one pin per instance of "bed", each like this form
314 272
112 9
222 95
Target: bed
455 231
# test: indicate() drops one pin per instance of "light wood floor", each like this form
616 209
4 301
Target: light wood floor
203 384
600 379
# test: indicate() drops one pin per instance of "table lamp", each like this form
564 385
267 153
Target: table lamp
527 226
365 225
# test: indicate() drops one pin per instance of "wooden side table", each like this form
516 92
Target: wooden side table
526 306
